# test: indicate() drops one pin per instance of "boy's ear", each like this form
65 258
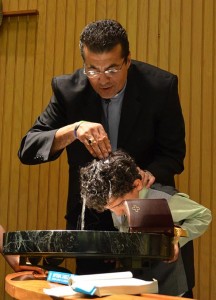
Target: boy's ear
138 185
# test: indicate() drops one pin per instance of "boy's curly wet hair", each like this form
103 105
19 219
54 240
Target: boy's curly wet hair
103 35
110 177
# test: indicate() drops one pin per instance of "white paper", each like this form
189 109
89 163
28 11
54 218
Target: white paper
60 291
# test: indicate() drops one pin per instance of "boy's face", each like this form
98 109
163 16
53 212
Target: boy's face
116 205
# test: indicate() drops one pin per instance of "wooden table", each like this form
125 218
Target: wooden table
27 288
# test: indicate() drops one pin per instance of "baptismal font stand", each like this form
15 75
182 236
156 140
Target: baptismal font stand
150 236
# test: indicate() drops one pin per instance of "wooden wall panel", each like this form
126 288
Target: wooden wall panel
163 35
142 32
174 36
178 36
194 141
185 74
121 12
207 118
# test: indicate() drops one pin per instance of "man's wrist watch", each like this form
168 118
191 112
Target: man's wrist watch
180 232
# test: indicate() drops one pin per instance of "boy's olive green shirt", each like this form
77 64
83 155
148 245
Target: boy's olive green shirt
193 217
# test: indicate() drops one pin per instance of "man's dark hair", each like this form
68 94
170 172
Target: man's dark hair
102 36
105 178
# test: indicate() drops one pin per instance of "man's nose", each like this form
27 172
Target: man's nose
103 78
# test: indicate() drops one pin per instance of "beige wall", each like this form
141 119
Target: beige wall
177 35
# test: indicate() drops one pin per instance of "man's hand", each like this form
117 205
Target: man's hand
95 139
36 270
176 254
147 178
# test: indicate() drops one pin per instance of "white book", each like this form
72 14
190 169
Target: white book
112 283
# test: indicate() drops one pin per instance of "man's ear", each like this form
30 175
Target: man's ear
138 185
129 60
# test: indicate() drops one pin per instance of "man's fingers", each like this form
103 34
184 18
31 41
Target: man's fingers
95 139
150 181
147 178
176 254
99 148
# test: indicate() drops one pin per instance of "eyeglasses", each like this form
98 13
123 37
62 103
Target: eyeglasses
109 72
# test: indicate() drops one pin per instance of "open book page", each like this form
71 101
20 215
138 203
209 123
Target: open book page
112 283
115 275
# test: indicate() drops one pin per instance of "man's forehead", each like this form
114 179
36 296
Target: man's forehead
113 54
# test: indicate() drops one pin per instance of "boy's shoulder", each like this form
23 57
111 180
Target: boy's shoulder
164 189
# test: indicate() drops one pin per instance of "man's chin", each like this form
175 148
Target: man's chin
106 94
